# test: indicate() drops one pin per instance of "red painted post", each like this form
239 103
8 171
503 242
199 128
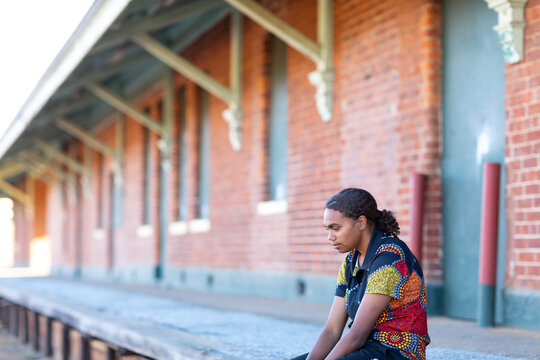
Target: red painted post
417 214
488 244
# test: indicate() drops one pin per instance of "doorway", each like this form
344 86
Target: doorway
473 133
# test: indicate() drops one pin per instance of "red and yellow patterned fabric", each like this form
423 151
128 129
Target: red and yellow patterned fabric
391 269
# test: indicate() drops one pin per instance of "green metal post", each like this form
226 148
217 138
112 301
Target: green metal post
165 168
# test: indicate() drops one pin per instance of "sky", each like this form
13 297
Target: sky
32 33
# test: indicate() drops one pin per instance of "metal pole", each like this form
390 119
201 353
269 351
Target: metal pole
85 347
164 173
37 332
488 244
417 214
16 320
3 318
66 340
13 320
26 326
48 340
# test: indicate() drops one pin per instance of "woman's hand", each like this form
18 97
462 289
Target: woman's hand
370 309
332 331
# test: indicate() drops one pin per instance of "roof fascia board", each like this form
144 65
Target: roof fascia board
97 20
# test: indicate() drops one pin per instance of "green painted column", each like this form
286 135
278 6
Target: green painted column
164 171
488 245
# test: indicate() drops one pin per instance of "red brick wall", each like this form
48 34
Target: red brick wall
23 222
523 159
388 102
55 224
386 126
22 236
40 211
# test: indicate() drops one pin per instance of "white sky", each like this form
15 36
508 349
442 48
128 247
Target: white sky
32 33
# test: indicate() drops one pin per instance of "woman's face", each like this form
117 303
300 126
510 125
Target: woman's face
344 233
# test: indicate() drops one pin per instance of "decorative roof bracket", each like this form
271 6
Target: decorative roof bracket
52 152
12 169
321 52
233 115
165 144
125 107
510 27
42 175
89 139
39 163
15 193
232 95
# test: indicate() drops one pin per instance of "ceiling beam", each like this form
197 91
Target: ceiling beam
320 52
41 174
169 17
63 109
102 73
51 152
11 170
183 40
278 27
183 66
125 107
15 193
86 137
42 164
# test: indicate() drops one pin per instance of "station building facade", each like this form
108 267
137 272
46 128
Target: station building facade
194 143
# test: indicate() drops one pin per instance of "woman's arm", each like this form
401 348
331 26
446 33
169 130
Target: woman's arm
370 309
332 330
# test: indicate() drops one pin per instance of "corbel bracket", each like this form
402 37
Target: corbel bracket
165 143
52 152
10 170
15 193
510 27
231 95
320 52
88 139
233 115
41 164
125 107
42 175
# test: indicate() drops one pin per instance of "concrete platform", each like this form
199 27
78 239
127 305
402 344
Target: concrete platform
177 324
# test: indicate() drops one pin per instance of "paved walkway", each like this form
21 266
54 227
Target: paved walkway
246 328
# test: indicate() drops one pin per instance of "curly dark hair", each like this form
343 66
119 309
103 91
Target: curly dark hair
353 203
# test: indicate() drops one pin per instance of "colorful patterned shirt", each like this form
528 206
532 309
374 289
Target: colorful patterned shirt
389 268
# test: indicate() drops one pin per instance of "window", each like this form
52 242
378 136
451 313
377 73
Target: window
182 156
203 208
278 122
147 174
100 165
